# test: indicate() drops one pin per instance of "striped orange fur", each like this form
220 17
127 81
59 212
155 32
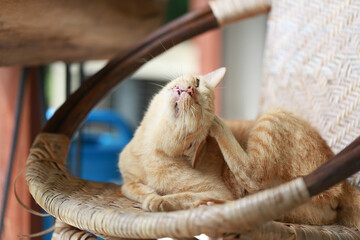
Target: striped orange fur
233 158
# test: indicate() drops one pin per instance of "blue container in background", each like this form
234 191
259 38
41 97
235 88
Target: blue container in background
104 134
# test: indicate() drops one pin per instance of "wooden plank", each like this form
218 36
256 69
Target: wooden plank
44 31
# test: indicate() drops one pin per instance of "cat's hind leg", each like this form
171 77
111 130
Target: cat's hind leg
320 210
349 209
280 147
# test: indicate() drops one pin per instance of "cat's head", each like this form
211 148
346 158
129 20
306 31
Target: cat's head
191 96
187 105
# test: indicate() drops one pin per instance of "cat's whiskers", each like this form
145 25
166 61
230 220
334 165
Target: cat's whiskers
197 118
182 122
155 84
186 132
201 113
168 75
143 60
191 109
163 46
183 129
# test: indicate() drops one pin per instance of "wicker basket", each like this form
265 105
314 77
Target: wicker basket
312 48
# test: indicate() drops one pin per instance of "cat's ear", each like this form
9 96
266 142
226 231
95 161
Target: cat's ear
215 77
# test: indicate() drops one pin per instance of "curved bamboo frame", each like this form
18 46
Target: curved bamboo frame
96 207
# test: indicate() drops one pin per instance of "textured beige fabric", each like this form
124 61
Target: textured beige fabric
312 65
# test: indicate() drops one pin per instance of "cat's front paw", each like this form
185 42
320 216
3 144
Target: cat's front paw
156 203
208 202
152 203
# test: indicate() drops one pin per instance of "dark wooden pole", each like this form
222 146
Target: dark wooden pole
335 170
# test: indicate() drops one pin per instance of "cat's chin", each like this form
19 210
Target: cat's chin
177 111
180 102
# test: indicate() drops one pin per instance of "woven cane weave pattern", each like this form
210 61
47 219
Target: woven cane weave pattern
312 65
101 209
279 231
66 232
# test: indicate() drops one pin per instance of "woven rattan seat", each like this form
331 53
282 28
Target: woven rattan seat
311 45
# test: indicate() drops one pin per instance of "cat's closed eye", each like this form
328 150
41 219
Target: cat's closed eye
197 82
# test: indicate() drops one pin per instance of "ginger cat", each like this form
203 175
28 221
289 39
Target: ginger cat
183 156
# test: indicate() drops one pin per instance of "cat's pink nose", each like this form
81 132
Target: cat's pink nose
190 90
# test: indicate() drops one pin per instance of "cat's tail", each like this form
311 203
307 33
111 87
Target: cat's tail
349 208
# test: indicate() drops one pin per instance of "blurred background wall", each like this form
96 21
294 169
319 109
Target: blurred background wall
243 48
